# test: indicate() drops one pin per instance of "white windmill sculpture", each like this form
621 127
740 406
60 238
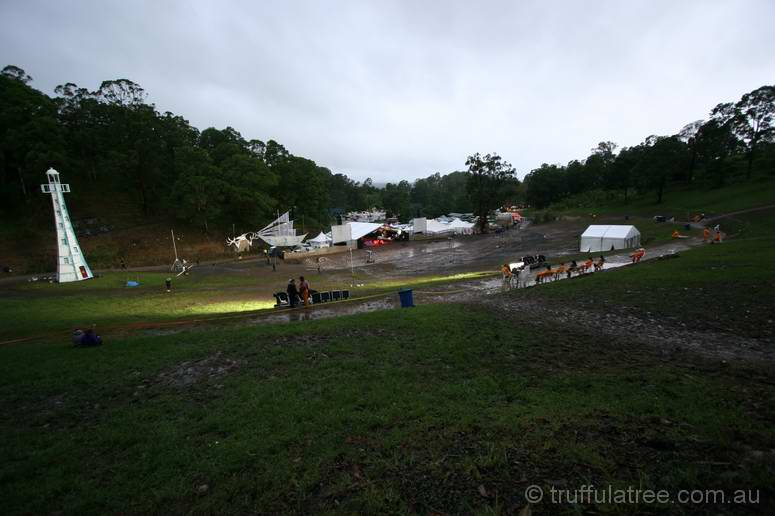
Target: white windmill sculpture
71 264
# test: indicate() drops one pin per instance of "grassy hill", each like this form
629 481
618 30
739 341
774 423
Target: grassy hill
681 201
657 376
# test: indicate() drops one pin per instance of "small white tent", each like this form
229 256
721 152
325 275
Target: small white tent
605 238
320 241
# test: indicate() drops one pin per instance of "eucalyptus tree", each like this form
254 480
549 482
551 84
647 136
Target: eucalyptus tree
754 120
487 175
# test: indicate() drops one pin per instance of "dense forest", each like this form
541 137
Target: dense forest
114 141
736 143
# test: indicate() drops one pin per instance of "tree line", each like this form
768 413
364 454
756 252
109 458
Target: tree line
736 142
115 144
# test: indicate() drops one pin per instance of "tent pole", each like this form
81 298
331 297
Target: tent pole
352 270
174 246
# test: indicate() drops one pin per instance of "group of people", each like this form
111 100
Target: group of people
706 234
300 293
520 277
515 277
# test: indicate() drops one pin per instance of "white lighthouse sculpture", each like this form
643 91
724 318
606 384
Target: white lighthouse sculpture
71 264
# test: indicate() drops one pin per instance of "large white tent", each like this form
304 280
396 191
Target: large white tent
607 237
461 227
441 226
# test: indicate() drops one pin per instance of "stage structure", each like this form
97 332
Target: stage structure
71 264
279 233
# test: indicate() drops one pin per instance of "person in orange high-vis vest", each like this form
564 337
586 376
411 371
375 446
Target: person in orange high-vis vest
705 234
304 288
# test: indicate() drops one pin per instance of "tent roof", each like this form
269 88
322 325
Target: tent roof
361 229
321 238
434 226
610 231
457 223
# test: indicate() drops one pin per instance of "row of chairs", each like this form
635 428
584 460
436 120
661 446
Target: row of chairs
333 295
281 298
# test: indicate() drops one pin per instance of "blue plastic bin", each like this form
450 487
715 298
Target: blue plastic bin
407 300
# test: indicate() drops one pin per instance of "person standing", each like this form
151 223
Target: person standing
506 271
293 293
304 287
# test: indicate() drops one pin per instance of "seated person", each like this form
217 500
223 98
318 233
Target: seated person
86 338
573 267
637 255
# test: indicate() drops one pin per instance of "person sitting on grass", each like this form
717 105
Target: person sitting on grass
86 338
676 235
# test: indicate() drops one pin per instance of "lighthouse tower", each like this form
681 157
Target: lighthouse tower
71 265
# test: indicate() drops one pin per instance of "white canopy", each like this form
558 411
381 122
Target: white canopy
439 226
361 229
457 223
433 226
320 239
353 231
607 237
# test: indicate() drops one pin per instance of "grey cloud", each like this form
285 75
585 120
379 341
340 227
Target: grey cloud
397 90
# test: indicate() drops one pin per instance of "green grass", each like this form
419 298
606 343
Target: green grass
727 287
396 411
36 308
681 200
446 409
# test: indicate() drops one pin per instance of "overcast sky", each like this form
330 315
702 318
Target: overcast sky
400 90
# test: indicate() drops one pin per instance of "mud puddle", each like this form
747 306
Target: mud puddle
327 311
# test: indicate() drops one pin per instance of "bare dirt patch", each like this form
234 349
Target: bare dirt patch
191 372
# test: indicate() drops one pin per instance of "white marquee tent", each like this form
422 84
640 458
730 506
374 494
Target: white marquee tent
605 238
461 227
